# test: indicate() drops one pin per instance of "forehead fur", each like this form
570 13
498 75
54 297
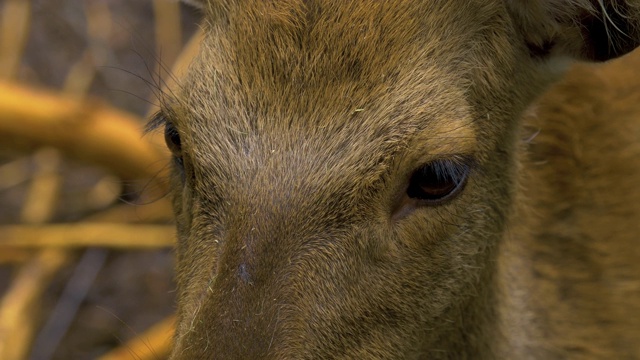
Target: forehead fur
276 48
390 70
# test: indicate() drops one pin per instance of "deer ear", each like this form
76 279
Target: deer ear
594 30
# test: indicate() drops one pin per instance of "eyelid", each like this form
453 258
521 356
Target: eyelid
454 159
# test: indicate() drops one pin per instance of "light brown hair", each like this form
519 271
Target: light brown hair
351 180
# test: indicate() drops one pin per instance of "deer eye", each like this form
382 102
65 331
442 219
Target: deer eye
172 139
438 181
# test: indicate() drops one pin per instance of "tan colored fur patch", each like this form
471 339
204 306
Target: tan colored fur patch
353 180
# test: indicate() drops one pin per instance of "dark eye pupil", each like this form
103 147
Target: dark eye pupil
172 138
437 180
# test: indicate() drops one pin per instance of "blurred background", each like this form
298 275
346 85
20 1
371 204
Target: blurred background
85 226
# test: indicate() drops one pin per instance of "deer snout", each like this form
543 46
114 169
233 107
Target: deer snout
288 287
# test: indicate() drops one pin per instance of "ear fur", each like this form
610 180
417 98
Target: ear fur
595 30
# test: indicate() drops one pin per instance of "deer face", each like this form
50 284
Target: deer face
343 171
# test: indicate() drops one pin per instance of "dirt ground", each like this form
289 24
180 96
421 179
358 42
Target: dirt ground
130 290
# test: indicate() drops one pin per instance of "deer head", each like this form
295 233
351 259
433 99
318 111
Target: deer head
343 170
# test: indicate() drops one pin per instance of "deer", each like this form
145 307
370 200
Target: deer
369 180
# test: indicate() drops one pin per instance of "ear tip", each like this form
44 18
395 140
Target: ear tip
578 28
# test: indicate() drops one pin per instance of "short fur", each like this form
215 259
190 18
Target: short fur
300 124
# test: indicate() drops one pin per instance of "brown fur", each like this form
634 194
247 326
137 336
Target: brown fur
301 123
571 254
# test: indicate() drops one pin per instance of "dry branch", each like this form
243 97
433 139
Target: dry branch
16 17
15 256
44 188
22 298
20 305
168 30
120 236
14 173
87 130
155 343
93 132
158 211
